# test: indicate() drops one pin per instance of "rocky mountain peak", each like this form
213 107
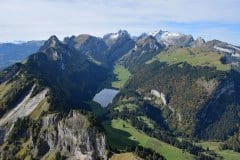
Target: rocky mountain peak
198 42
112 38
200 39
170 38
52 42
123 33
120 33
147 43
162 34
78 42
55 49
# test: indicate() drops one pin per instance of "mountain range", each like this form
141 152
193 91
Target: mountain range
12 52
178 98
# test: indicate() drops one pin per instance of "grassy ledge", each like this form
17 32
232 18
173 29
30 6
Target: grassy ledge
121 133
214 146
193 56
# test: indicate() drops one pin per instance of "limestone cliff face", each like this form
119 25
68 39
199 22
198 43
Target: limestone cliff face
71 136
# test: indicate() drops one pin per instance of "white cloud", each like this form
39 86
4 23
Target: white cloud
38 19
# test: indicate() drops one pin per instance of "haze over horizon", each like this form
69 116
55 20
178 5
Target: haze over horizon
39 19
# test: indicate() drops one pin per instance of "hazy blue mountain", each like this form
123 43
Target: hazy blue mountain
11 53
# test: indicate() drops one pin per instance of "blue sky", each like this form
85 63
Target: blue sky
38 19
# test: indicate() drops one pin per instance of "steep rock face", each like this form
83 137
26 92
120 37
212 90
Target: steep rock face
52 42
231 52
112 38
102 51
56 51
72 136
199 42
91 46
118 45
171 38
148 44
145 48
223 47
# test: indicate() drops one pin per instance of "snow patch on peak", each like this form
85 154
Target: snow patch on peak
170 38
159 35
171 34
114 36
226 50
155 33
234 47
120 33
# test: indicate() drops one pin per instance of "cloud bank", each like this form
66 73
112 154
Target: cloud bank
38 19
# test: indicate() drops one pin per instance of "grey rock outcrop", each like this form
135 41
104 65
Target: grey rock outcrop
199 42
71 136
119 44
145 48
171 38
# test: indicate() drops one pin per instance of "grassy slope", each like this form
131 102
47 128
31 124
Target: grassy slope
226 154
193 56
124 156
23 152
42 106
4 88
51 155
128 106
121 134
147 121
122 75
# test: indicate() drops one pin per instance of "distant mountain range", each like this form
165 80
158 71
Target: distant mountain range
178 98
11 53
